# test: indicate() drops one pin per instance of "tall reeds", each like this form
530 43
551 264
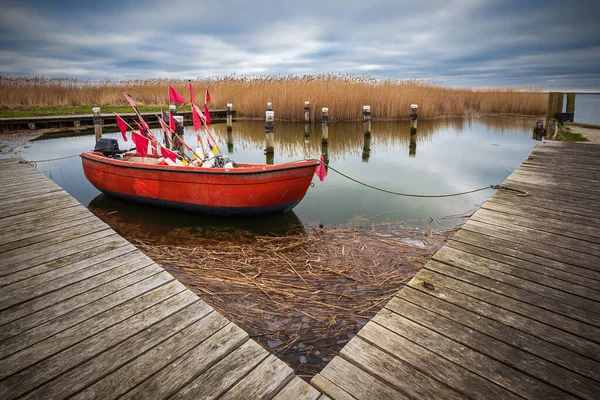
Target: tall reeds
344 95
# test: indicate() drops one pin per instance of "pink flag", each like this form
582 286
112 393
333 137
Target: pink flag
206 96
163 125
196 119
122 127
206 114
192 98
141 128
320 171
175 97
141 144
130 100
168 154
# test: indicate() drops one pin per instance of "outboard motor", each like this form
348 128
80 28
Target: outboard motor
109 147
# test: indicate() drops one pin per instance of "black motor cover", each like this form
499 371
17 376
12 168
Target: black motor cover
107 146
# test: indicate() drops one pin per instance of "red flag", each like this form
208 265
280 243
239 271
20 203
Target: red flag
168 154
141 128
206 115
130 100
174 96
141 144
192 97
172 123
196 119
206 96
122 127
320 171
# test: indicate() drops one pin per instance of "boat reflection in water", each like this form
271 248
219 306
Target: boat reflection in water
137 220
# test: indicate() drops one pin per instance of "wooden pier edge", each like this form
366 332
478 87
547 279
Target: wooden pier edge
509 308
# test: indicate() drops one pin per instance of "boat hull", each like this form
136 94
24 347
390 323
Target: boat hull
250 190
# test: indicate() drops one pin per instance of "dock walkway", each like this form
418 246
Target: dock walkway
83 313
509 308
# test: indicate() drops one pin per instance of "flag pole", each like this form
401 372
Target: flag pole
179 138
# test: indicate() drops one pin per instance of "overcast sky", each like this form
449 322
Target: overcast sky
471 43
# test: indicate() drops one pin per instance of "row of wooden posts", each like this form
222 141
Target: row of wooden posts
270 127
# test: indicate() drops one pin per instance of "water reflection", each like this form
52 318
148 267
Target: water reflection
453 155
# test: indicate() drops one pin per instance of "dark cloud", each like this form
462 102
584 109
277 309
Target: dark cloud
478 43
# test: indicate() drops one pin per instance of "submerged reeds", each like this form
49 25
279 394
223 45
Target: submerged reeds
344 95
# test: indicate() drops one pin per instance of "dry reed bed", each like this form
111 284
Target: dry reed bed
302 296
344 95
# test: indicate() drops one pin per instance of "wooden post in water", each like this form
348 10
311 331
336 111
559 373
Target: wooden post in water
412 144
306 111
571 106
177 145
77 125
325 125
97 122
230 141
414 114
269 106
366 153
552 104
367 119
229 117
270 133
560 98
538 130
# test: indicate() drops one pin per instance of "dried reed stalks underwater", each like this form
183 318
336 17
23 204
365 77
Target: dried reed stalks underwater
344 95
302 296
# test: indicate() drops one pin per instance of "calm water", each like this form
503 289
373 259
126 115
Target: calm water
587 108
447 156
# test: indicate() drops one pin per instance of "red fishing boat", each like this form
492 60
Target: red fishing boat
246 189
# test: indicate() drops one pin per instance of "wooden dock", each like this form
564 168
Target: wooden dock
86 120
509 308
85 314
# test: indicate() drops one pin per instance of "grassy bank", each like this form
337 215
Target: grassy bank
344 96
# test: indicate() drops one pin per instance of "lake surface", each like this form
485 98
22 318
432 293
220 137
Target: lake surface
587 108
446 156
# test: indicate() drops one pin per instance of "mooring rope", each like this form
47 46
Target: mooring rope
495 187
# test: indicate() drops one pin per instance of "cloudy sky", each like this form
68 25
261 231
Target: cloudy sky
469 43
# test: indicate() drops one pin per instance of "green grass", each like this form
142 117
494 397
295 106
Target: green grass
566 135
80 110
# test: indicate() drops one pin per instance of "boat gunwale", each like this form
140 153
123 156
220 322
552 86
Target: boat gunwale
258 169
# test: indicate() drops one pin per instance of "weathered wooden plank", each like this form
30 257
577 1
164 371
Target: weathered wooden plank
29 207
588 320
507 334
40 253
69 231
49 368
551 201
16 240
425 360
56 335
27 189
21 230
520 278
37 195
487 367
591 221
535 235
542 193
587 176
533 254
354 380
395 373
297 389
195 362
226 373
131 273
326 386
577 335
103 250
180 312
568 273
42 216
159 358
537 179
263 382
573 383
